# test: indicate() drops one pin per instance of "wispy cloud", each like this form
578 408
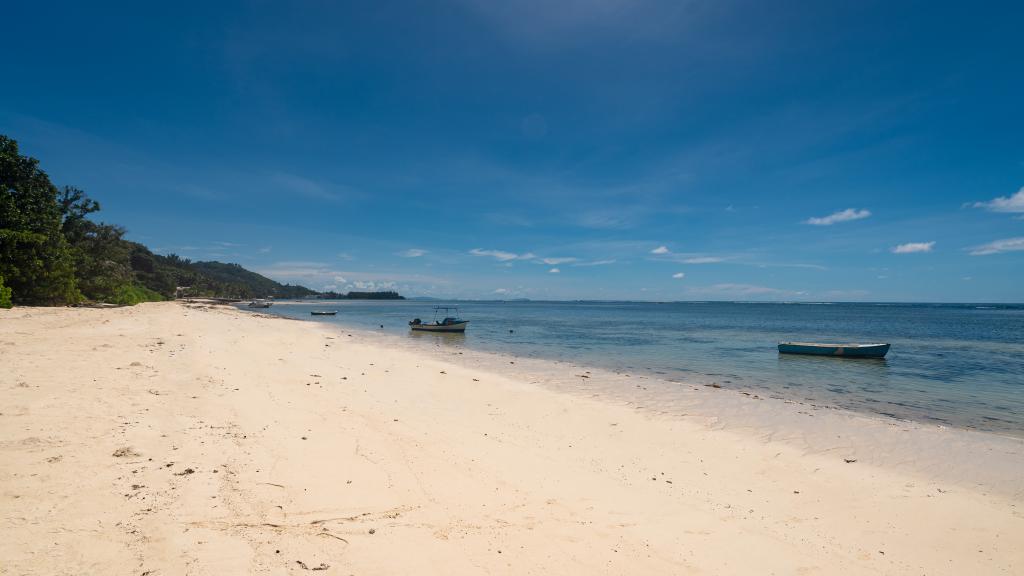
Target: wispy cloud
999 246
611 219
554 271
412 253
679 275
306 187
702 260
596 263
665 254
1013 204
264 250
555 261
913 247
841 216
320 274
744 291
501 255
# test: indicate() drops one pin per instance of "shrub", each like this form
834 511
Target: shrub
5 295
130 295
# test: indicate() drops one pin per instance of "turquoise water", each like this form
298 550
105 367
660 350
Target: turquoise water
955 364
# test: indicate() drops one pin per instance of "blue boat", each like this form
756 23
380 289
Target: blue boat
842 350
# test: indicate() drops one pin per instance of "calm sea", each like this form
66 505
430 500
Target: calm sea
955 364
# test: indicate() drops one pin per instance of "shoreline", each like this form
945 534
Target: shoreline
980 459
187 438
918 392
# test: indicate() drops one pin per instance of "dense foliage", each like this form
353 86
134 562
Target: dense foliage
35 259
51 253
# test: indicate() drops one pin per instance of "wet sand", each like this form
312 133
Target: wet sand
175 439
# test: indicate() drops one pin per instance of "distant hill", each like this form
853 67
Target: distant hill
385 295
257 284
172 276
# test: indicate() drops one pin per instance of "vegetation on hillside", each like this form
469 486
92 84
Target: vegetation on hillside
52 253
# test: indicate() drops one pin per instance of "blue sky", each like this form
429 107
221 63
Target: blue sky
610 149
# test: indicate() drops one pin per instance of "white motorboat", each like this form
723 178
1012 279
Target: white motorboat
449 322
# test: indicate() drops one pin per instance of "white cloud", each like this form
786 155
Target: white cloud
913 247
502 255
1014 203
679 275
372 286
660 250
412 253
554 261
998 246
554 271
264 250
841 216
501 291
703 260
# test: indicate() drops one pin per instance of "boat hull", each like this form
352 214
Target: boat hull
457 327
841 350
322 313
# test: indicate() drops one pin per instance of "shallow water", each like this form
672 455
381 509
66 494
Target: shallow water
954 364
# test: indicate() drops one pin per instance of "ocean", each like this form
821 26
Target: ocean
959 365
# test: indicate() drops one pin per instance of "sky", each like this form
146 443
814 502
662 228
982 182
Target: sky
603 149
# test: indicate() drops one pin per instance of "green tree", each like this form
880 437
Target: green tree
34 256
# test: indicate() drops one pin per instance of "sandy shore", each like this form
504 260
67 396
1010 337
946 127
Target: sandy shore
163 439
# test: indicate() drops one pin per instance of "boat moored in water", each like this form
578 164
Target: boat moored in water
323 312
842 350
450 321
259 304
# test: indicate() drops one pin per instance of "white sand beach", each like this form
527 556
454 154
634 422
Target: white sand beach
170 438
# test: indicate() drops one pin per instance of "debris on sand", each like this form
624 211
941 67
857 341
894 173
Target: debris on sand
185 472
125 452
714 385
849 460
